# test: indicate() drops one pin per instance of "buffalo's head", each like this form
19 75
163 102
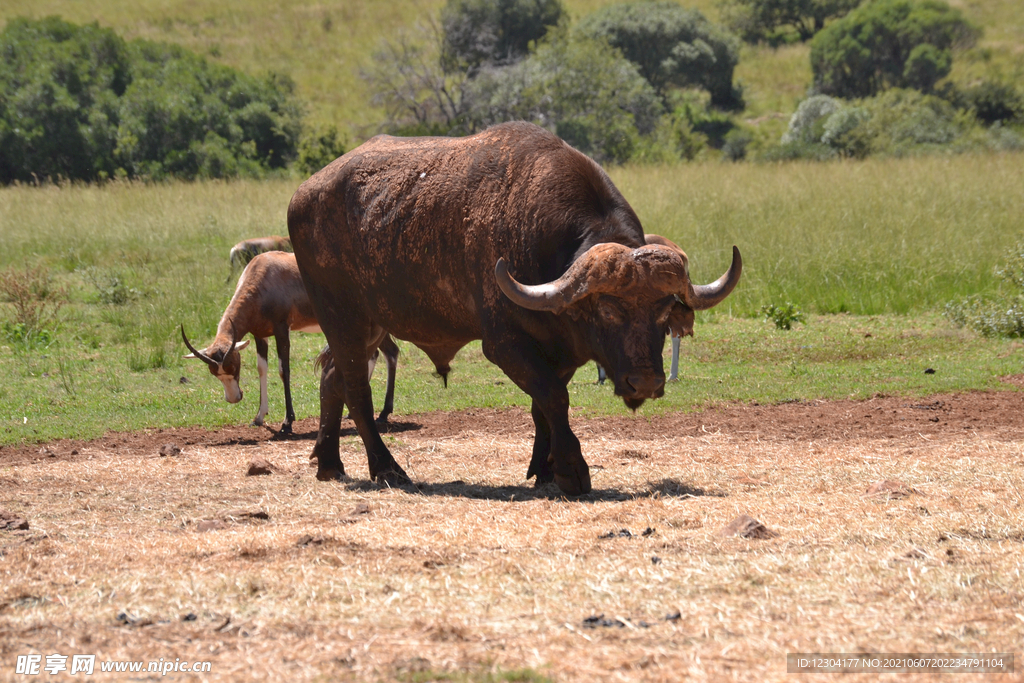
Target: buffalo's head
625 301
224 360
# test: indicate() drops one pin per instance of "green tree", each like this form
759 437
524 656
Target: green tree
583 90
494 32
422 77
888 44
79 102
773 20
59 85
671 46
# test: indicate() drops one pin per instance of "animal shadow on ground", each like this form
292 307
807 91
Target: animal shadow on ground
665 488
389 427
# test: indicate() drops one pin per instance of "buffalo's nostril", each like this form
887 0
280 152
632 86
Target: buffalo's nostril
647 386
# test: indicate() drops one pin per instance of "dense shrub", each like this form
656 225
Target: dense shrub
319 149
775 21
991 101
900 122
807 123
494 32
888 44
671 46
79 102
581 89
894 123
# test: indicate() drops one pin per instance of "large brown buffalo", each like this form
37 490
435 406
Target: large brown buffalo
430 239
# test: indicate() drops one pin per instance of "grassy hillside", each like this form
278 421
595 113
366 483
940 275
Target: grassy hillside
323 44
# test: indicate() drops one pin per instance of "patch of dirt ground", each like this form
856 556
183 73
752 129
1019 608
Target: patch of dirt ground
889 525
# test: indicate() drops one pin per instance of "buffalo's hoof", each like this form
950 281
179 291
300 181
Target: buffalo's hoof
330 474
543 479
256 423
285 429
394 478
574 485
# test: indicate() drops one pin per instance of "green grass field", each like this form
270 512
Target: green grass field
887 243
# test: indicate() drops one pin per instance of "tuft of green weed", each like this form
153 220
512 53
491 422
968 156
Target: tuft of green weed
999 316
783 316
36 300
111 287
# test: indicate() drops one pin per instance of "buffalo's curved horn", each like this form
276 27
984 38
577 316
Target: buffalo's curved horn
596 265
701 297
195 352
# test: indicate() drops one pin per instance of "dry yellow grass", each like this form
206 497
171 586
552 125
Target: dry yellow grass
479 571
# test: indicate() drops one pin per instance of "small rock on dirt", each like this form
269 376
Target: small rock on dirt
600 622
258 467
633 454
621 533
11 522
891 489
243 515
169 450
914 554
746 526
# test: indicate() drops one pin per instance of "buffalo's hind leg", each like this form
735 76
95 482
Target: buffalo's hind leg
327 448
382 465
352 346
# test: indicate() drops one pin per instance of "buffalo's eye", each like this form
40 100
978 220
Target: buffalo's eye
609 312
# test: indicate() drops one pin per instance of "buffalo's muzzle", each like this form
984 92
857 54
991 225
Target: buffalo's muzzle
643 385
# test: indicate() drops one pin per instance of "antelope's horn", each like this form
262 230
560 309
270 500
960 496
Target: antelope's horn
195 352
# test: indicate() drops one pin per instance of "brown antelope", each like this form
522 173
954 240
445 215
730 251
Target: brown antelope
246 250
270 300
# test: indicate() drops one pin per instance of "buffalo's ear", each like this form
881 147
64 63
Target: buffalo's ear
241 345
192 355
680 320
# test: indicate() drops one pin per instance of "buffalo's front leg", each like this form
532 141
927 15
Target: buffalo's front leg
540 463
327 448
533 372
